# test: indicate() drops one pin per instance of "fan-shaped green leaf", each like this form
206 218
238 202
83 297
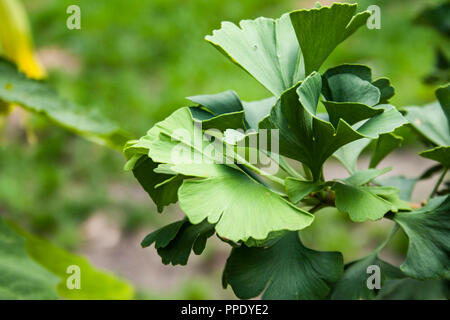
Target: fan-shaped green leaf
285 270
428 230
266 48
353 283
320 30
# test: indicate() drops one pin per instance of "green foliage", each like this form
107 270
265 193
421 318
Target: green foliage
285 270
22 278
428 230
222 190
175 241
255 210
33 268
36 96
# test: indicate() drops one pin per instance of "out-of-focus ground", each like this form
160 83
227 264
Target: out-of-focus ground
135 61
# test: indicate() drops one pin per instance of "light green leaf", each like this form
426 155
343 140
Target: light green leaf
20 276
219 199
95 284
363 202
348 155
443 95
298 189
320 31
431 122
365 176
385 122
175 241
39 97
266 48
404 184
255 111
285 270
428 230
218 196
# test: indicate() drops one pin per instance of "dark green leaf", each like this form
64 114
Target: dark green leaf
428 230
411 289
162 188
353 284
175 241
285 270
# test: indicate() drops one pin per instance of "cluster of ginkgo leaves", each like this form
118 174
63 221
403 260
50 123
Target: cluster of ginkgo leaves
259 213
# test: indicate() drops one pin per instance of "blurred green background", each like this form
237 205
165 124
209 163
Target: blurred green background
136 61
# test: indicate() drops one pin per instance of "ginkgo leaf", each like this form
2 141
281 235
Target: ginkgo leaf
348 155
220 200
285 270
412 289
266 48
162 188
39 97
428 230
349 93
218 196
298 189
21 277
311 140
433 121
320 30
95 284
353 283
225 110
386 90
219 111
363 202
439 154
269 49
386 143
443 95
175 241
255 111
